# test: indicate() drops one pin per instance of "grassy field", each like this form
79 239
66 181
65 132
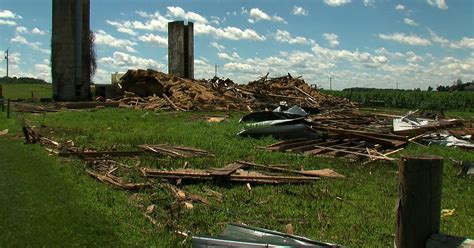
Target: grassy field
355 212
23 91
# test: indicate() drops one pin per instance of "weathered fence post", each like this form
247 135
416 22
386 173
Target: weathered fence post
8 108
419 202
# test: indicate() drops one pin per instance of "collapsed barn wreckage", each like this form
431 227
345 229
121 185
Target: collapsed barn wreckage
315 125
148 89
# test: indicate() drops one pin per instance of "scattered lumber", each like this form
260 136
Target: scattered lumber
234 173
117 182
176 151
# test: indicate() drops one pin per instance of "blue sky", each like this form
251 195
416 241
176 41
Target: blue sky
359 43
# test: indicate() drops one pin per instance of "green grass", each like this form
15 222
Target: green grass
355 212
45 202
457 100
23 91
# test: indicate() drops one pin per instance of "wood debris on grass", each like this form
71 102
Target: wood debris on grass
4 132
117 181
234 173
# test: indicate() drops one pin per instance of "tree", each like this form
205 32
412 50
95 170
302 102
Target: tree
430 88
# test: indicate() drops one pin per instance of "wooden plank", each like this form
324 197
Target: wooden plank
226 170
309 147
236 178
352 148
419 202
321 148
296 144
355 153
284 142
371 134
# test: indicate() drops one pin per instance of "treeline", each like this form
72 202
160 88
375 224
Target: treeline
456 86
412 99
21 80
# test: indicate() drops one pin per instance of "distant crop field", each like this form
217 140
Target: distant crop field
410 99
24 91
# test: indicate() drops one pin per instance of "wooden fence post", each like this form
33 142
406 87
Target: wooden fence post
8 108
419 202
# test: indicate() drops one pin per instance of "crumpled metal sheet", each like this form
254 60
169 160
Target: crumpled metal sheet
447 140
236 235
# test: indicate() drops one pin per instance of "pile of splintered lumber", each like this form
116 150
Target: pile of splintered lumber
149 89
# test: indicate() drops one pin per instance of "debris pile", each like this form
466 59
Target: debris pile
353 135
149 89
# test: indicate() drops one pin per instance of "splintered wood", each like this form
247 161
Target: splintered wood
176 151
234 173
354 149
117 182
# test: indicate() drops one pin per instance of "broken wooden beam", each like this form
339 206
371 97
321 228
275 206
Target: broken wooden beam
117 182
204 175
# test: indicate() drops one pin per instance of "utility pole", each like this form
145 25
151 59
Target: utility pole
215 70
330 83
7 59
397 85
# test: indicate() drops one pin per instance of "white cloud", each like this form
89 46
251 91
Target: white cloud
21 30
7 22
413 40
127 31
369 3
126 61
38 31
391 55
157 22
438 39
364 58
7 14
336 3
218 46
297 10
400 7
285 37
216 20
24 30
43 71
331 38
413 58
103 38
33 45
154 39
178 12
225 56
441 4
257 14
14 58
231 33
410 22
465 42
296 63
